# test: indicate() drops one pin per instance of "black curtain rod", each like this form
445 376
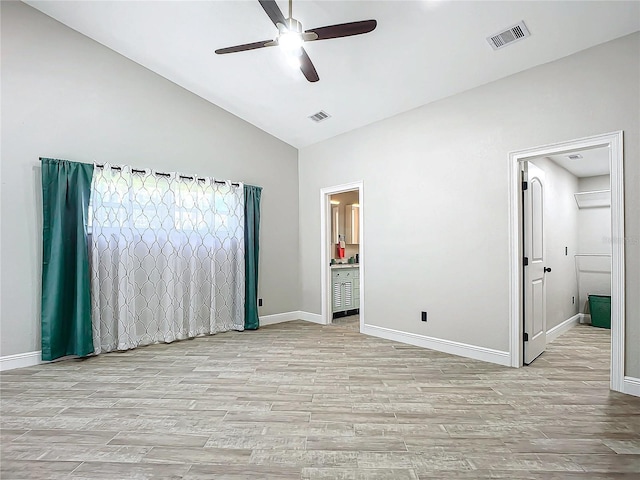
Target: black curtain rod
160 174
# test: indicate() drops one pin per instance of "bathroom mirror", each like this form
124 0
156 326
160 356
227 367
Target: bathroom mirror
352 223
335 224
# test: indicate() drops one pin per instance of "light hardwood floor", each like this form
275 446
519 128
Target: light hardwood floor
352 322
299 400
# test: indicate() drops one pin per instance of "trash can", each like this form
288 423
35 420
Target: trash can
600 308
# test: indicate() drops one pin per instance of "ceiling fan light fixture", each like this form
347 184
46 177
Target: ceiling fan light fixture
291 43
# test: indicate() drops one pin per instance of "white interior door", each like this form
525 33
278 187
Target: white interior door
535 321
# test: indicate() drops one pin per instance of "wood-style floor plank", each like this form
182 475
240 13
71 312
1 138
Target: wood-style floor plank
302 401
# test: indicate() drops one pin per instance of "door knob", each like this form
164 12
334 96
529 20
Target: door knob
547 269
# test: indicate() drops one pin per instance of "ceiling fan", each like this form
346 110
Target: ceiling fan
291 37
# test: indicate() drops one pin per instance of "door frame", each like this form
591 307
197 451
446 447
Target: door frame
614 141
325 246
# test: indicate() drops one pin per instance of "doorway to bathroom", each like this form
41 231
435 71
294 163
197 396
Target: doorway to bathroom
342 256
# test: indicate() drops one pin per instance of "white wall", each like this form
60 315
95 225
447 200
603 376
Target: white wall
66 96
436 184
560 231
598 182
594 237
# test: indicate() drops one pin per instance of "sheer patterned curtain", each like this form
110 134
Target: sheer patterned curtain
167 257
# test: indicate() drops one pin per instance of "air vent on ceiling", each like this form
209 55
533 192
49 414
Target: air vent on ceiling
320 116
574 156
509 36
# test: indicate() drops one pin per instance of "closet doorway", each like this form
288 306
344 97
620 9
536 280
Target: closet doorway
567 244
575 262
342 269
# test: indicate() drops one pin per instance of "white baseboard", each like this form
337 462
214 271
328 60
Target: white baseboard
631 386
20 360
289 316
311 317
441 345
559 329
278 318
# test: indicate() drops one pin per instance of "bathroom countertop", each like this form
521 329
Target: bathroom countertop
346 265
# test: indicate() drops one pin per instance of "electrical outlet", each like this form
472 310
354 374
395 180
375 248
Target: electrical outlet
259 302
424 316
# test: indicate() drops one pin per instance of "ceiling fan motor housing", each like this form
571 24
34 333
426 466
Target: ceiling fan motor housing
293 25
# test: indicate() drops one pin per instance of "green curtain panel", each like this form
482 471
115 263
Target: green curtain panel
251 254
66 292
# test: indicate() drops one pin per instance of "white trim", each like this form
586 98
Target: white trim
325 245
631 386
618 319
614 141
289 317
311 317
562 327
20 360
278 318
447 346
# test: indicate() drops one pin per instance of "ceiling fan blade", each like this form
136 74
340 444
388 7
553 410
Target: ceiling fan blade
344 29
307 68
275 14
246 46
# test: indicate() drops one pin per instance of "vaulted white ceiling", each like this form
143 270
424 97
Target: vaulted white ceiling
421 51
